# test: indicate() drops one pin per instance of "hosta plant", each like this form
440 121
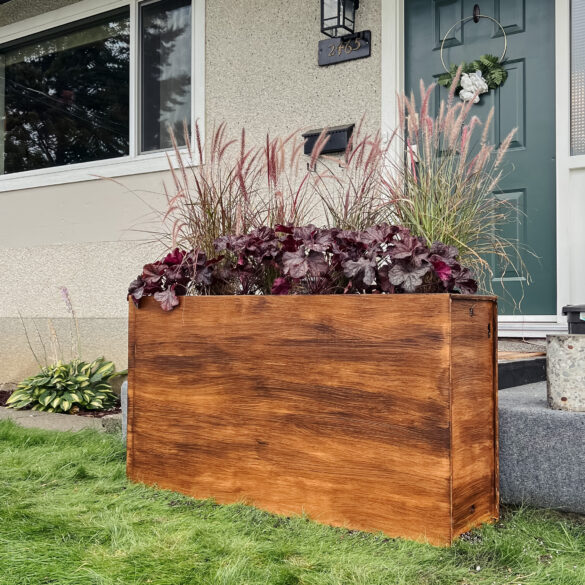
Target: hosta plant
67 388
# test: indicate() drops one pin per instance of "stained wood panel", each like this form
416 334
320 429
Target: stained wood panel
474 414
336 406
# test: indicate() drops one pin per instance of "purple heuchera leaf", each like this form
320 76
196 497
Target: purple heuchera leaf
407 276
167 298
313 238
284 229
177 273
444 251
384 280
152 273
410 248
295 263
441 268
289 244
348 238
175 257
223 243
363 269
318 266
280 286
464 281
305 232
204 275
319 241
379 234
136 290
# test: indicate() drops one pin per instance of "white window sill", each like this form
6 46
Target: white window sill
90 171
577 162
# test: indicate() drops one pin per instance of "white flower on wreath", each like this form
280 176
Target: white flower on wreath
472 85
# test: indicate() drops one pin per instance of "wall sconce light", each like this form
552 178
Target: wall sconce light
338 17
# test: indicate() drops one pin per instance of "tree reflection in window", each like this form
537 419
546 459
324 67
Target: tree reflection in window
66 97
165 72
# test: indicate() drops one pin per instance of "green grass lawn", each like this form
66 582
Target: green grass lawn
69 516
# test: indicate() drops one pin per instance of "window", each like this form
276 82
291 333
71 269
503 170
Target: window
102 91
66 97
578 77
165 71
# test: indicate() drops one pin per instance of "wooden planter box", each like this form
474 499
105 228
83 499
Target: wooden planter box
373 412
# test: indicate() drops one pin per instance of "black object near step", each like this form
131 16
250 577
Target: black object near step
520 372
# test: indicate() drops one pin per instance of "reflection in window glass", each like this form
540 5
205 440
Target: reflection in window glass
166 72
65 97
577 77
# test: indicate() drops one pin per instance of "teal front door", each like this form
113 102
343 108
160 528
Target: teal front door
525 102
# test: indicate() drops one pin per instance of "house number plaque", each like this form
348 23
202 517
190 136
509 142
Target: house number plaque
340 49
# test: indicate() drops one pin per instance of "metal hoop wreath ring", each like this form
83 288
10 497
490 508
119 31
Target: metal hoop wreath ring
462 22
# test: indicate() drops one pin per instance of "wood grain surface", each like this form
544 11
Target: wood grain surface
474 414
509 356
341 407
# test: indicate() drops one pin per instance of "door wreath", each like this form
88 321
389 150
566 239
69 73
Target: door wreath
478 76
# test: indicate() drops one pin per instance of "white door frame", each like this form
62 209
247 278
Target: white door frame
393 61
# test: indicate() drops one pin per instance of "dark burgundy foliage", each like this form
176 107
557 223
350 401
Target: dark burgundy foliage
281 286
307 260
167 298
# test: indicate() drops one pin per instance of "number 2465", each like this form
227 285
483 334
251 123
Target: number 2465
344 47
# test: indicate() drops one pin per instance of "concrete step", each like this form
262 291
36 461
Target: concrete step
542 451
519 372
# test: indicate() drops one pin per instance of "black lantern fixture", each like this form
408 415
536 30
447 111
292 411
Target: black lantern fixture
338 17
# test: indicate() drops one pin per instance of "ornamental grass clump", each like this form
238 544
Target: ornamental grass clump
211 199
236 189
443 184
350 187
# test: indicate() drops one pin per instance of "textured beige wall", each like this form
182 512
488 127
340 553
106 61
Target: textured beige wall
261 73
262 70
99 337
16 10
88 237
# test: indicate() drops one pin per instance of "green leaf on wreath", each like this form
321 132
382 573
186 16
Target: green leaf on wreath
491 69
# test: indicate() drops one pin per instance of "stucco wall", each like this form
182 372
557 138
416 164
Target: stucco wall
88 237
261 73
262 70
16 10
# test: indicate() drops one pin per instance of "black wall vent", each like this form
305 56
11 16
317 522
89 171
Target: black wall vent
338 138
